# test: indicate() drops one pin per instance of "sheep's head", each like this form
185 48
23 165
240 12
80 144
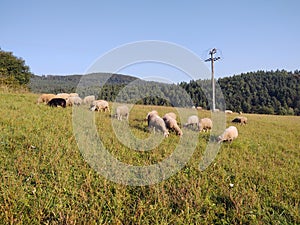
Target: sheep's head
219 139
200 127
93 108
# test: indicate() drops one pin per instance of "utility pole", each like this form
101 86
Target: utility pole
212 59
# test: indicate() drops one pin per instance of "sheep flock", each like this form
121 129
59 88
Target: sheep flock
166 124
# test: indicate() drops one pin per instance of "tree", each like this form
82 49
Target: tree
13 70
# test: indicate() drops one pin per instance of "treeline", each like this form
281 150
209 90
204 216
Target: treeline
267 92
263 92
273 92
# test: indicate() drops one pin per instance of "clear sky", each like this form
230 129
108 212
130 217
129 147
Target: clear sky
66 37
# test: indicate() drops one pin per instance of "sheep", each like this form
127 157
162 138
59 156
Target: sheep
157 123
240 119
89 99
205 124
74 100
228 111
100 105
122 111
192 121
45 98
150 115
171 114
171 123
63 95
55 102
74 95
229 134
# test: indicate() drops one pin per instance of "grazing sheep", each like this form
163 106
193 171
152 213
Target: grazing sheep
192 122
205 124
157 123
89 99
100 105
122 111
74 95
171 123
74 100
150 115
55 102
229 134
241 120
228 111
45 98
199 108
63 95
171 114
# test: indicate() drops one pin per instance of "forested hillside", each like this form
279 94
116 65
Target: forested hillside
256 92
267 92
263 92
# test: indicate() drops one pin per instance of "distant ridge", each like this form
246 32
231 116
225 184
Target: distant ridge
68 83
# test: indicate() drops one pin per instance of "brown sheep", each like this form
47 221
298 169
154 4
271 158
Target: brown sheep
171 123
45 98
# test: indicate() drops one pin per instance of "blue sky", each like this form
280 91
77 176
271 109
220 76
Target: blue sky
66 37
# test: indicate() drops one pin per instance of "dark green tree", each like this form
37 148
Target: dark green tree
13 70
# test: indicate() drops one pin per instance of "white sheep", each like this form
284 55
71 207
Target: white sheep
229 134
100 105
171 123
151 114
74 95
227 111
205 124
157 123
74 100
192 122
122 111
89 99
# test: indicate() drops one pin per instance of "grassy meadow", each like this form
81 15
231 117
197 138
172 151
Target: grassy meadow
45 179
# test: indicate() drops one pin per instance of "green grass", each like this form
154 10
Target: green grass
45 179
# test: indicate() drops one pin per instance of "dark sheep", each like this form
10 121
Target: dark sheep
55 102
241 120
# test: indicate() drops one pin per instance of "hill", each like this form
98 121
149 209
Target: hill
68 83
